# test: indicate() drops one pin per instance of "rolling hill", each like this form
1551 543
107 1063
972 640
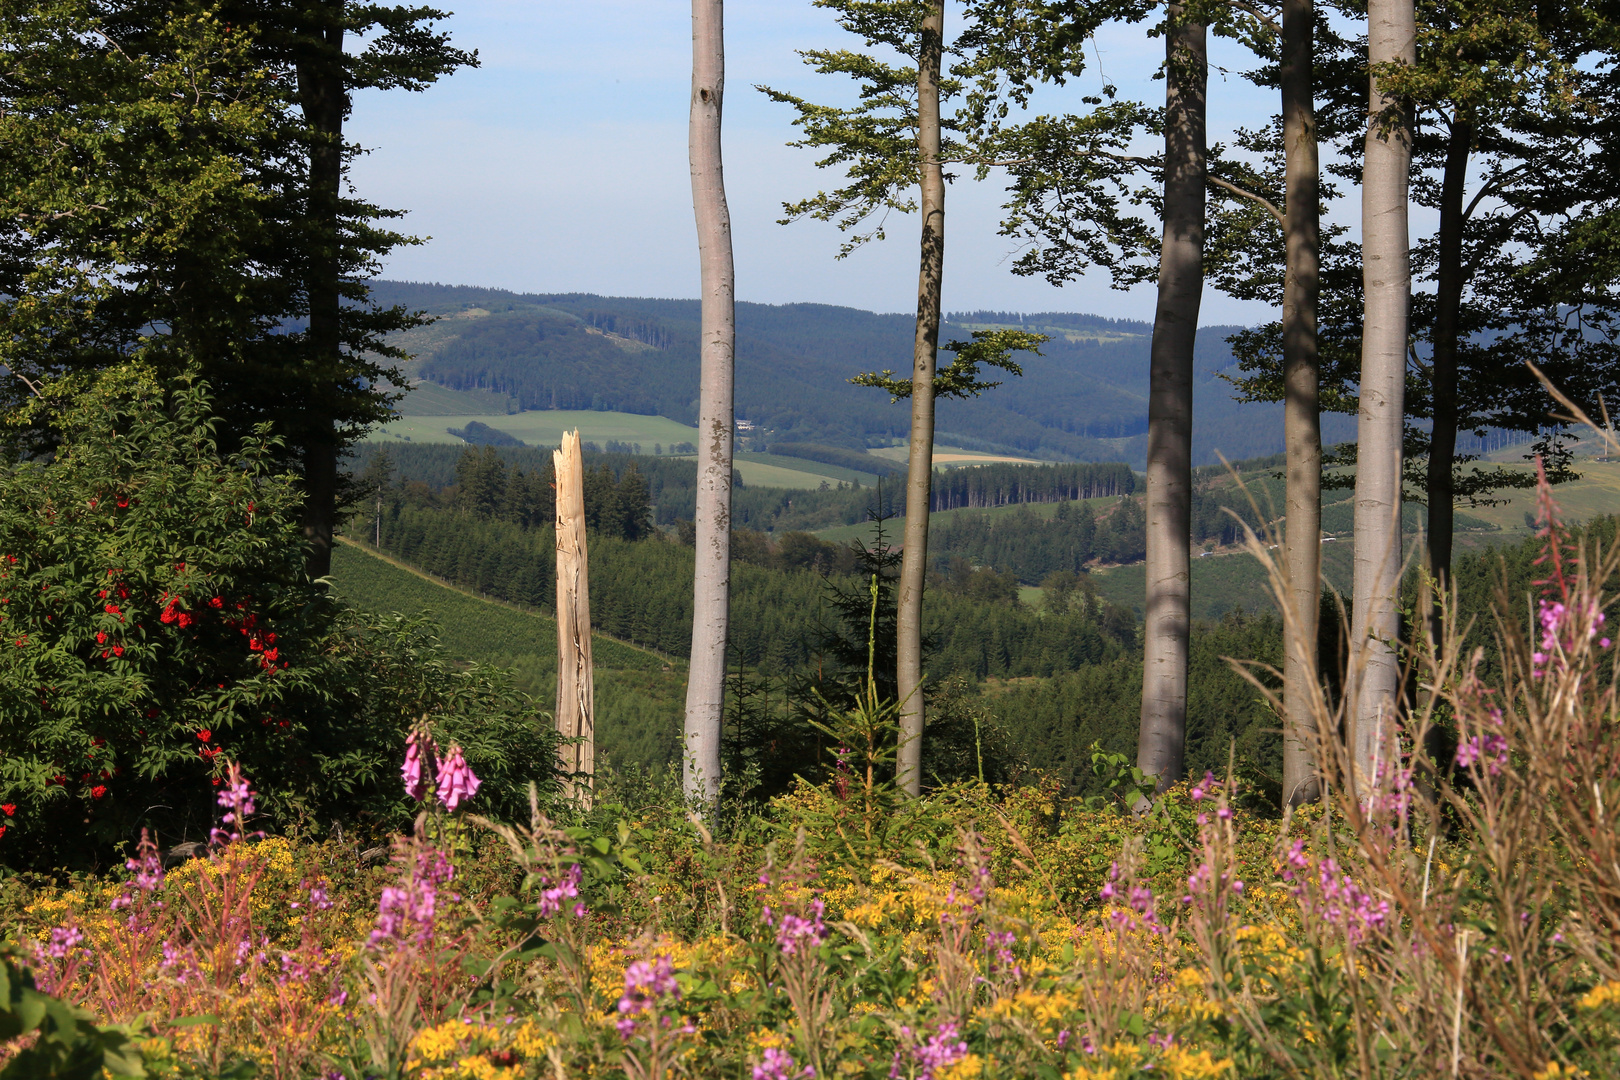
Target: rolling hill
1084 399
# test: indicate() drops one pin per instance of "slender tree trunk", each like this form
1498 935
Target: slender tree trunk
1447 314
1386 284
920 471
1302 421
711 601
1161 748
324 102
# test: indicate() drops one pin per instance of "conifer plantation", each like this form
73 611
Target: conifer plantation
957 695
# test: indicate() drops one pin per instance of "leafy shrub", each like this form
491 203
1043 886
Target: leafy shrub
158 623
64 1041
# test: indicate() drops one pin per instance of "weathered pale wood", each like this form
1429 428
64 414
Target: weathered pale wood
576 694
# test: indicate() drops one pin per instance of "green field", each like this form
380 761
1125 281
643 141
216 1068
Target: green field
896 526
544 427
431 411
1595 494
639 695
816 470
949 457
430 399
1224 581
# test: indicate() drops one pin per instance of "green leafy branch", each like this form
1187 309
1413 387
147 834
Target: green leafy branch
961 378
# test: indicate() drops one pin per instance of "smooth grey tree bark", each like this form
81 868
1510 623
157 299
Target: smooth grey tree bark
1302 419
1386 283
1161 747
711 612
925 351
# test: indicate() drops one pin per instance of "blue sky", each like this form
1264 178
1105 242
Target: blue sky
560 164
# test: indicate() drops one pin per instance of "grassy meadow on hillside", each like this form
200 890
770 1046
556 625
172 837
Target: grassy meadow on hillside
544 427
639 694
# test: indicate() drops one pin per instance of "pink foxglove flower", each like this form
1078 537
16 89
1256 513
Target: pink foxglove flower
457 784
421 759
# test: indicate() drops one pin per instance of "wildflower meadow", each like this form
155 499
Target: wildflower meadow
1454 915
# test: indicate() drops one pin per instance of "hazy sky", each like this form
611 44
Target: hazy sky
560 165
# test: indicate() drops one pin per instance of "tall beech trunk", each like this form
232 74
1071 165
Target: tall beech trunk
711 588
1161 748
925 350
1386 283
324 102
1302 421
1447 314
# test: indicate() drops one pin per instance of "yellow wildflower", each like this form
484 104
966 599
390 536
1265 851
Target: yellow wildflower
1182 1064
1555 1071
1602 996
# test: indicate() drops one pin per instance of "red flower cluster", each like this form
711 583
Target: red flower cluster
206 752
171 613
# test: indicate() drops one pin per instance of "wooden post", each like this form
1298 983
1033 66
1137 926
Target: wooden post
576 695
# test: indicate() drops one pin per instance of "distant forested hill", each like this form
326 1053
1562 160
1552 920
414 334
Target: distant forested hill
1084 399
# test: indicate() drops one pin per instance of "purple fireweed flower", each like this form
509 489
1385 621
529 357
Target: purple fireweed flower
942 1050
408 910
1341 902
779 1065
237 799
317 897
1294 860
1492 750
961 907
645 983
1202 788
421 761
794 933
147 866
1139 913
552 897
1005 959
1559 633
643 986
63 940
457 784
